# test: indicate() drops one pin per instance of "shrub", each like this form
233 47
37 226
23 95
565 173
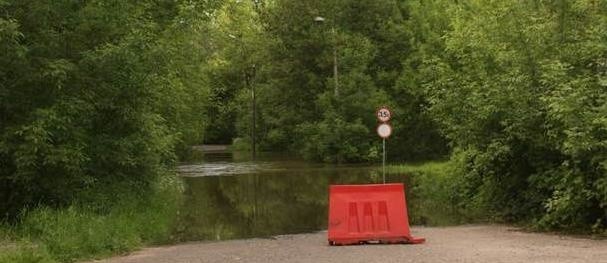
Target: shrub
106 226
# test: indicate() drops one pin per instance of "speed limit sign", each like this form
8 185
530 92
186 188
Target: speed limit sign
384 114
384 130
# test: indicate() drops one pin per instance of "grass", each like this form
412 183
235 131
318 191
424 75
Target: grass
432 193
13 250
437 197
93 229
24 252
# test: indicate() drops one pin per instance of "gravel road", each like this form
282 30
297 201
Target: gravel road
444 244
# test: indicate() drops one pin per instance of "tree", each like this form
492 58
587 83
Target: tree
519 92
96 92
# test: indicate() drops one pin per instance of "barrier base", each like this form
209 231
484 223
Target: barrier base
387 240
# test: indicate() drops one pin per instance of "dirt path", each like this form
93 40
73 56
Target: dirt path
448 244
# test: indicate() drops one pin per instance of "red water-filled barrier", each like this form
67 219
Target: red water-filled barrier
368 213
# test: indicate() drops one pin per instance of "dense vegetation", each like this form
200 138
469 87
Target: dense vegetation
517 90
93 229
97 100
280 50
97 92
520 91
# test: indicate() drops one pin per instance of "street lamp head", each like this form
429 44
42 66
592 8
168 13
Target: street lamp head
319 19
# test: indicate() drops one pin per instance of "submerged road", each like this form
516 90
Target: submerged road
444 244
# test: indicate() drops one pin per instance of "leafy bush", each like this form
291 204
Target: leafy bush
337 141
116 221
434 194
92 93
520 92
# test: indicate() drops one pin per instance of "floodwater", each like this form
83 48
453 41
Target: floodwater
229 196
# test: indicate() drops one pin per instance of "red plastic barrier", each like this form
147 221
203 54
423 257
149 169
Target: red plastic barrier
368 213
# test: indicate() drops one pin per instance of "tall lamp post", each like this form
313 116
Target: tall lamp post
320 20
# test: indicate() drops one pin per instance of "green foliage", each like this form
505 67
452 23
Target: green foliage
105 222
519 91
237 38
25 253
277 49
94 92
434 194
337 141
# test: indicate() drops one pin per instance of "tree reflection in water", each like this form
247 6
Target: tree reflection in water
281 196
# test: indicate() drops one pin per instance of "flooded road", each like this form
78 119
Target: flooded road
284 201
229 196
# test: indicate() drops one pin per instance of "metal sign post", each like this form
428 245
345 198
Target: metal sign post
383 163
384 130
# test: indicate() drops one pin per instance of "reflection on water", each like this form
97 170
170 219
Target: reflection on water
224 168
230 197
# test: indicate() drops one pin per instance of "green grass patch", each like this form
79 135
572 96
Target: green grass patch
13 250
113 221
24 252
432 193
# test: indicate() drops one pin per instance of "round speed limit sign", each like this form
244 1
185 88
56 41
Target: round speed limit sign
384 114
384 130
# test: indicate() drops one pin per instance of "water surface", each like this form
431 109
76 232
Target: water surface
230 196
